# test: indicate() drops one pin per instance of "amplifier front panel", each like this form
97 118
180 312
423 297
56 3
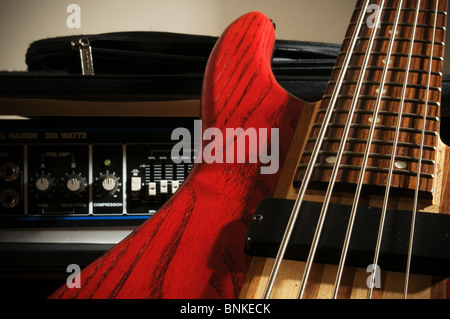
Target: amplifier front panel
88 175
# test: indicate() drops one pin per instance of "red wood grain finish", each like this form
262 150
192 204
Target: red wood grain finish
193 247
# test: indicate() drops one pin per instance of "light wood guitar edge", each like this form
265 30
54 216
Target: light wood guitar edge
323 276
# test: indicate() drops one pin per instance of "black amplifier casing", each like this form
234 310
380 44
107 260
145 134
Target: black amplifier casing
77 171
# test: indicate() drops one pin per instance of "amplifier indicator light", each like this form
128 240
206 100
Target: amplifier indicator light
107 162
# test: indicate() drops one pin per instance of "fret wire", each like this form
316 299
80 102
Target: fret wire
405 24
384 113
365 160
416 194
378 142
388 98
391 167
375 155
394 84
396 54
374 169
380 38
382 127
297 205
394 69
414 10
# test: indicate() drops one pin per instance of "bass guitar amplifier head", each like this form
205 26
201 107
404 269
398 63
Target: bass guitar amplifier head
87 171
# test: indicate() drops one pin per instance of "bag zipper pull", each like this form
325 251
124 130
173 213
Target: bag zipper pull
87 62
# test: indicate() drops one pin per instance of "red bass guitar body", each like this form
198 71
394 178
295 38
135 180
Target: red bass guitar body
193 247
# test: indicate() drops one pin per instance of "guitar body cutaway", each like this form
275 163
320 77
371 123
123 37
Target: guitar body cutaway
193 247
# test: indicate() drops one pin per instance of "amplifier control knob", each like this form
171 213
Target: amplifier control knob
110 183
43 183
76 183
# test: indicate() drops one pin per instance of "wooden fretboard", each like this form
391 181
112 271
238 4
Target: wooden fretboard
422 94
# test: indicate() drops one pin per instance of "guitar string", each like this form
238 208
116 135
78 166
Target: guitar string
338 158
366 155
428 86
419 165
313 159
391 164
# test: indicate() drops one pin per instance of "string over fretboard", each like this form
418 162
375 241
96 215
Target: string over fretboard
422 93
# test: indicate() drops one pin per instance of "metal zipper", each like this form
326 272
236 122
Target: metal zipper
87 62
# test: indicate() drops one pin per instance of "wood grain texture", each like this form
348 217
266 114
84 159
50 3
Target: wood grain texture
353 284
416 98
193 247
